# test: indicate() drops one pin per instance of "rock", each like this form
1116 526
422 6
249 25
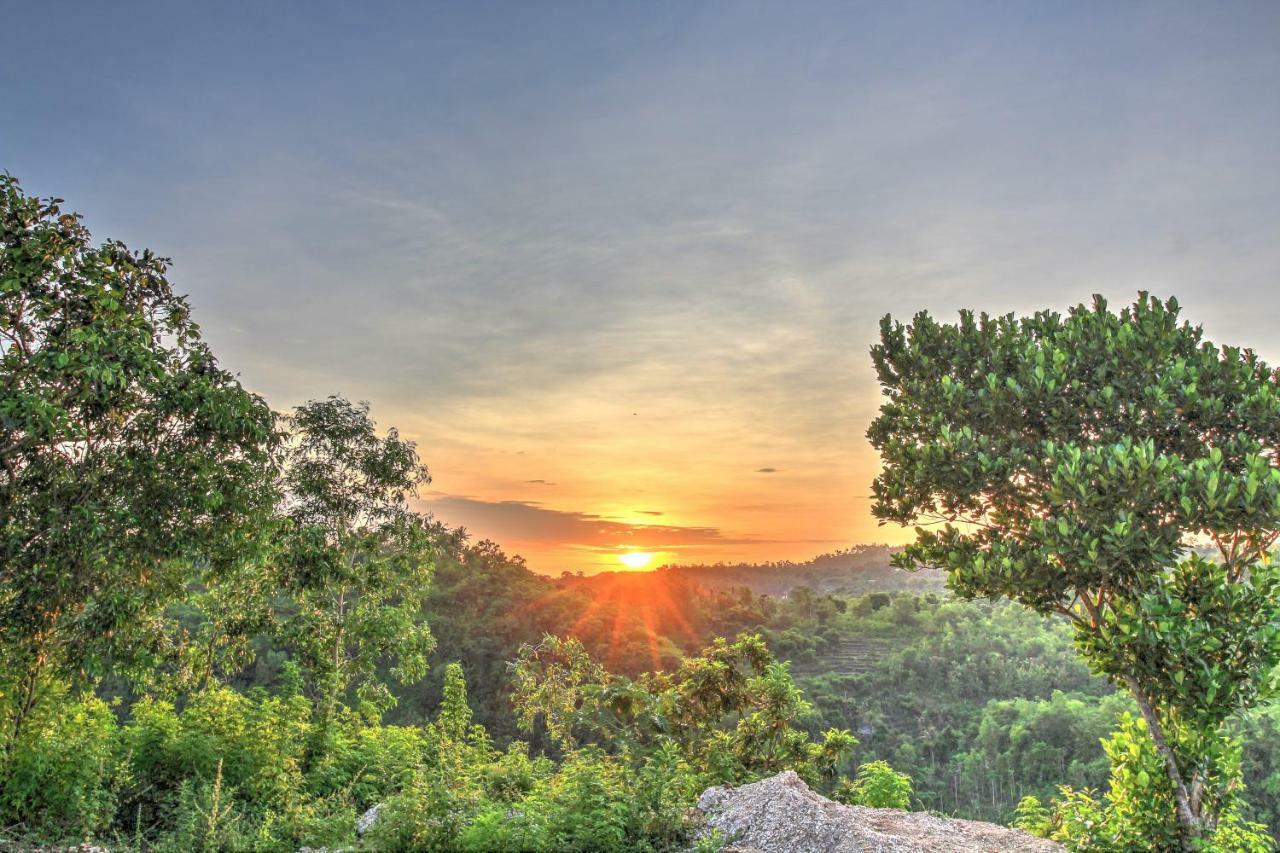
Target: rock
781 815
367 820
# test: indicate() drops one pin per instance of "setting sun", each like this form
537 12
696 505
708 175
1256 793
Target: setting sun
635 559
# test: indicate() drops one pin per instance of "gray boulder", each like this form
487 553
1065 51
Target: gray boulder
366 821
782 815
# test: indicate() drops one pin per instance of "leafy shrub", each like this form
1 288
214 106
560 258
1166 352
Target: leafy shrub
877 786
446 789
663 791
57 782
514 773
429 814
207 818
369 763
587 805
226 772
1032 817
253 742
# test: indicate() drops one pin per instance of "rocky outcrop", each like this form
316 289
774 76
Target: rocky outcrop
781 815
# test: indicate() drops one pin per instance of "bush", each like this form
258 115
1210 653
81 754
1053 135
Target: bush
369 763
254 743
877 786
226 773
1032 817
57 777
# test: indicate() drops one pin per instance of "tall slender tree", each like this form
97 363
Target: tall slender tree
356 562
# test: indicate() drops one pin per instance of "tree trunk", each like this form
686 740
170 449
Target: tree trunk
27 700
1189 818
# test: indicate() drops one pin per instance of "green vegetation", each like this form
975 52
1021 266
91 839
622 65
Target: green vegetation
877 786
853 571
354 562
223 629
133 465
1070 461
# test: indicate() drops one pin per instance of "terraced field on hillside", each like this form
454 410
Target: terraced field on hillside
851 654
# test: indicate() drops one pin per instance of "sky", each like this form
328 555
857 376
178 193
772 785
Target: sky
616 268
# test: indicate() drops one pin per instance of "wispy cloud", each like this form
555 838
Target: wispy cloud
619 265
525 522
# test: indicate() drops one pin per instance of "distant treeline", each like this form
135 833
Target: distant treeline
854 571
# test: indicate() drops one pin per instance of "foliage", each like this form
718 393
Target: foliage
1137 810
1032 816
59 779
132 463
355 566
1259 732
733 710
472 798
877 786
552 681
1071 460
960 695
221 753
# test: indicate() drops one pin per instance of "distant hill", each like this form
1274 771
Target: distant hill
857 570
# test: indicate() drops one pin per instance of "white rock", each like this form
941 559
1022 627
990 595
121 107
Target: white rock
781 815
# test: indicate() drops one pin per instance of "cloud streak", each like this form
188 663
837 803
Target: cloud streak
531 523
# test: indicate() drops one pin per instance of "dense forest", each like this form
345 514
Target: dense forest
980 703
224 628
862 568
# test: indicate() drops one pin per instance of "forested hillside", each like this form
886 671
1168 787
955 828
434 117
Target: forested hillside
980 704
855 570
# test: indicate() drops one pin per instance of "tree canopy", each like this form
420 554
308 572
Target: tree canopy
132 463
1075 463
355 562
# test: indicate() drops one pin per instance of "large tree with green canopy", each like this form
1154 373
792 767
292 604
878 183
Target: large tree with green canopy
131 464
1112 467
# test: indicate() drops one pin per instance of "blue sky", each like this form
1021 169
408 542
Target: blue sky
606 262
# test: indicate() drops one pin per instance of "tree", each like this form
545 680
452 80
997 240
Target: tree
552 680
733 712
1073 463
356 562
132 464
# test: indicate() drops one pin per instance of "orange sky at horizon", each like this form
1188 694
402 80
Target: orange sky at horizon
572 479
616 268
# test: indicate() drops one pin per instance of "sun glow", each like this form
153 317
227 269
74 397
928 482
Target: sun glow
635 559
